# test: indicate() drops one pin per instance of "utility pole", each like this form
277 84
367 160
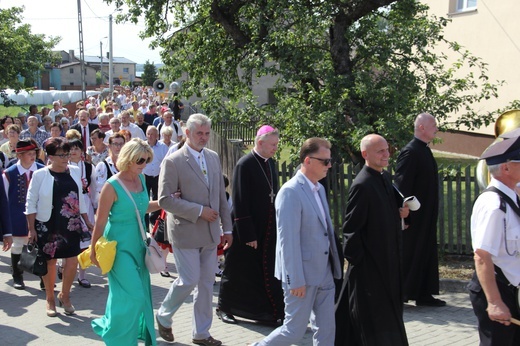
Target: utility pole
81 54
101 64
110 57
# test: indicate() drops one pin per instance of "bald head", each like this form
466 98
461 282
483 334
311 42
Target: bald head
374 150
425 127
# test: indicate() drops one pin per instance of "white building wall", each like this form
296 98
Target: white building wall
490 32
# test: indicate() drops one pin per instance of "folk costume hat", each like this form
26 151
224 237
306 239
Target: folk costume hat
24 145
504 151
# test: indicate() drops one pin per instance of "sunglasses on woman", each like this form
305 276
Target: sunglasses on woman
142 160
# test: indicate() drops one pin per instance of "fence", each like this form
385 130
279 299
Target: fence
457 191
232 130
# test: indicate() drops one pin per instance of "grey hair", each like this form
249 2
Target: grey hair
494 170
197 119
265 135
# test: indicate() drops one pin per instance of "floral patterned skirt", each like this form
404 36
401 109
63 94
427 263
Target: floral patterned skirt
59 237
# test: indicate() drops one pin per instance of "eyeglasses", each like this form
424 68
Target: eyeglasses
324 161
142 160
63 156
117 145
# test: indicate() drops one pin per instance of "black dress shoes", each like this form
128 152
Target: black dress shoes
225 317
430 301
18 283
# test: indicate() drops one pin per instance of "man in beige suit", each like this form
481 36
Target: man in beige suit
193 227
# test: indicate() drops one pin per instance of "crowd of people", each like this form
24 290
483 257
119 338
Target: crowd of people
284 265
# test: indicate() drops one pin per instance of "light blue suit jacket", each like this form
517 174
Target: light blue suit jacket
305 240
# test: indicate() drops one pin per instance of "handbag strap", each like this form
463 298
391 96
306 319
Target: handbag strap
143 234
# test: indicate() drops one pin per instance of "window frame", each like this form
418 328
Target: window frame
464 6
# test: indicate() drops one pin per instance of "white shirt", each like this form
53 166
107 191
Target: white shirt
315 191
195 155
52 114
177 131
488 233
21 171
107 136
172 148
159 153
101 174
94 120
134 130
86 134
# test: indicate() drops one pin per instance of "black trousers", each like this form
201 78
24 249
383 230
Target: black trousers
491 332
152 187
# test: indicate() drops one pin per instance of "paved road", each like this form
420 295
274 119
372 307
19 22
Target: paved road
23 320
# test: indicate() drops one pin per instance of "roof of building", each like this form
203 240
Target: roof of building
92 59
74 63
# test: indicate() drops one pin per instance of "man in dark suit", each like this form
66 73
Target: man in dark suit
372 230
248 287
193 227
84 128
307 258
416 175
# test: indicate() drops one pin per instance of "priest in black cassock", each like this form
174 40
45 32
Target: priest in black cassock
416 174
370 309
248 288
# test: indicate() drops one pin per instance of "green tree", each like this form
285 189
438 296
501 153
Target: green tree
345 68
149 74
22 54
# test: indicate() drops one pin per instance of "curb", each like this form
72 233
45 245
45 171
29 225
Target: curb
453 285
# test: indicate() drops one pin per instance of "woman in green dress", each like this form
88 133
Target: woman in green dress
129 311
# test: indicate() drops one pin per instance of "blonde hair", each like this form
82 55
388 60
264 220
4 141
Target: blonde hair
166 130
72 134
131 152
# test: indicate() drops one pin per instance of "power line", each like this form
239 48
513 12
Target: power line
501 27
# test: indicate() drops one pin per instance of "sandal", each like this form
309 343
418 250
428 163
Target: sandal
165 274
84 283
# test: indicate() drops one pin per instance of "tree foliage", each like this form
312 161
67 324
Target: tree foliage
22 53
344 68
149 74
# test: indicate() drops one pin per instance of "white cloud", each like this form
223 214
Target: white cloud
60 18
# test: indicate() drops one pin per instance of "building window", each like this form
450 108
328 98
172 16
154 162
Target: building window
465 5
71 83
126 70
71 70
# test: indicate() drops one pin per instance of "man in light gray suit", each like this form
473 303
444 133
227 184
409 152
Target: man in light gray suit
193 227
307 258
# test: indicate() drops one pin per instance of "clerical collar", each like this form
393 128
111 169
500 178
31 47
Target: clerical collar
423 142
260 156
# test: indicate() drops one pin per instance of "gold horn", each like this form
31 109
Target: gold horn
507 121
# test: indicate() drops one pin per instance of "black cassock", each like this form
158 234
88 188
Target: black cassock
370 310
416 174
248 287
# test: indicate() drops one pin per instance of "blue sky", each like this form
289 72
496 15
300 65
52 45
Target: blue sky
60 18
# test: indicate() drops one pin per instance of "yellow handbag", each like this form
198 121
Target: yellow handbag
105 255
